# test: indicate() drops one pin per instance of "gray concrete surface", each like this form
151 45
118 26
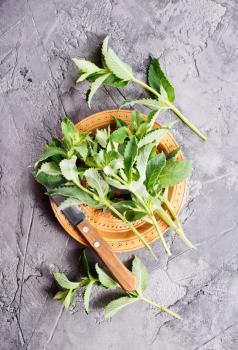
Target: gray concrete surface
197 43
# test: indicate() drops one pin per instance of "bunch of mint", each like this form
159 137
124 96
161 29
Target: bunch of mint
98 277
119 170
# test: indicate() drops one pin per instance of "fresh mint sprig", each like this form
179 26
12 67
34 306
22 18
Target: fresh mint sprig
117 73
98 277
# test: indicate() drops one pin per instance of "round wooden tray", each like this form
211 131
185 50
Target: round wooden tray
114 231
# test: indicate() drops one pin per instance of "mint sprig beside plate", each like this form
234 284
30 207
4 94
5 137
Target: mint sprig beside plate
98 277
118 74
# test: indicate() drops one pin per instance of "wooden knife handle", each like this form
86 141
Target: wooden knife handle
124 277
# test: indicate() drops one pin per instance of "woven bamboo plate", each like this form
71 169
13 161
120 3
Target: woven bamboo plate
114 231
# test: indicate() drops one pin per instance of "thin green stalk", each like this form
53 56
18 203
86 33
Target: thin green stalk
172 212
174 227
147 87
172 107
136 232
186 121
166 247
174 216
161 307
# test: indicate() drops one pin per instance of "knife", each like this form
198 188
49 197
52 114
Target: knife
77 218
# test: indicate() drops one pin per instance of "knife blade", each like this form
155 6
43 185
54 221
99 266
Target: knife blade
74 214
78 220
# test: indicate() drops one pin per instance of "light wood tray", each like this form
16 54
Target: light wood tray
113 230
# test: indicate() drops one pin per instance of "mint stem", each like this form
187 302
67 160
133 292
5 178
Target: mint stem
136 232
164 216
166 247
161 307
147 87
172 212
172 107
186 121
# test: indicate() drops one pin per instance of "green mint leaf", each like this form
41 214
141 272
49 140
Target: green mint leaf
68 299
83 77
148 102
116 305
140 188
151 119
85 265
69 170
73 293
64 282
69 202
77 193
70 133
132 215
153 136
80 137
153 77
136 120
124 205
114 81
119 135
105 46
115 183
67 127
130 156
49 181
147 124
86 295
92 77
106 280
115 165
140 271
142 160
120 69
95 86
173 154
111 156
96 182
119 122
50 168
91 162
153 170
175 172
85 281
82 151
100 158
157 78
142 130
61 295
85 67
49 152
102 137
93 147
55 142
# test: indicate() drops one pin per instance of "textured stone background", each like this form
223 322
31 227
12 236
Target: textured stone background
197 43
